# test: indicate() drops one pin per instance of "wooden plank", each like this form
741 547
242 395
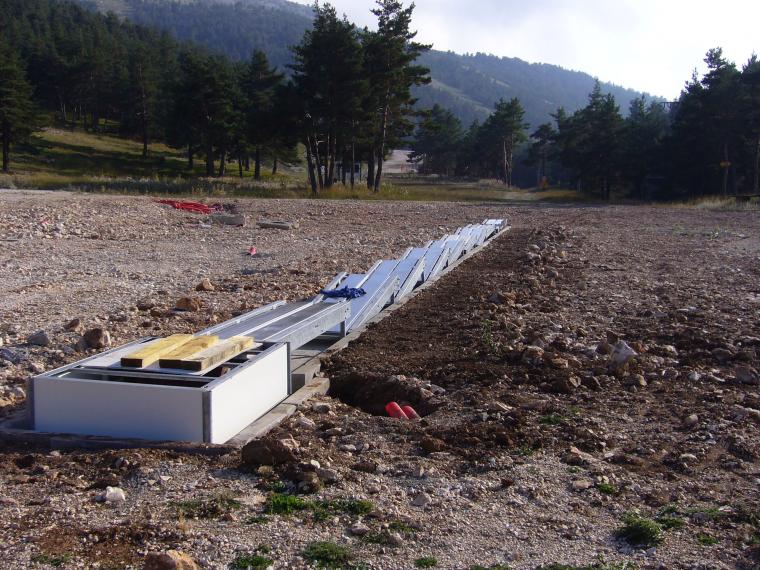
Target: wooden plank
152 351
217 354
188 350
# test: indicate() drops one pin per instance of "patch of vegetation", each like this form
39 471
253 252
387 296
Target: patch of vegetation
494 567
551 419
257 519
670 523
56 561
210 508
327 555
607 489
601 565
401 528
280 504
525 451
426 562
707 540
251 562
640 531
381 538
286 505
711 513
488 339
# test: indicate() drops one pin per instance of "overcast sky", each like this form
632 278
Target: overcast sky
649 45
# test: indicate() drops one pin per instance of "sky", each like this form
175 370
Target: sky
648 45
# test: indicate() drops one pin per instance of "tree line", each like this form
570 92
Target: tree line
706 142
348 100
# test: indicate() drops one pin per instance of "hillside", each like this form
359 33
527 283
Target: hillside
469 85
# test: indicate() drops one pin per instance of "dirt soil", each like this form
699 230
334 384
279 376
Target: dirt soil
591 363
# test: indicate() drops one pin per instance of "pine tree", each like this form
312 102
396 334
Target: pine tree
502 133
389 61
437 141
15 102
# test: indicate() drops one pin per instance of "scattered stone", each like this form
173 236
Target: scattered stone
422 500
722 354
566 385
169 560
114 495
636 380
277 225
329 476
269 452
582 484
432 444
306 423
366 466
229 220
747 375
321 407
189 304
621 355
10 356
74 325
691 421
40 338
146 304
689 458
205 285
17 393
96 338
359 529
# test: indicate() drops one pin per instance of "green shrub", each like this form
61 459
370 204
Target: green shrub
426 562
640 531
327 555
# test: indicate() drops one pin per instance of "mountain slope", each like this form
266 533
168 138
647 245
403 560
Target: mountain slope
469 85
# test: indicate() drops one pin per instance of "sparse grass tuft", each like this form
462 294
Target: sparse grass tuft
494 567
670 523
327 555
426 562
551 419
55 561
640 531
210 508
707 540
607 489
251 562
279 504
286 505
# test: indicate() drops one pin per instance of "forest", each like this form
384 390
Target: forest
349 96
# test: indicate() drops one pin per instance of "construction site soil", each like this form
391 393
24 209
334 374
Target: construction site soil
588 384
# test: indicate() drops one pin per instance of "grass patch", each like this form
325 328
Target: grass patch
426 562
707 540
551 420
251 562
401 528
640 531
210 508
286 505
56 561
256 519
668 522
494 567
607 489
601 565
327 555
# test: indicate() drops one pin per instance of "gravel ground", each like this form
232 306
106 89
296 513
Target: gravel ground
537 437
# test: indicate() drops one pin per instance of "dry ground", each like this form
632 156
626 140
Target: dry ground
532 448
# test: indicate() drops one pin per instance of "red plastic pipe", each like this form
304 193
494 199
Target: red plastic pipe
410 412
395 411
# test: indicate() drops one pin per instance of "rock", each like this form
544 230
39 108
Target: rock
321 407
577 457
432 444
329 476
309 482
277 225
636 380
395 539
306 423
114 495
621 355
422 500
566 385
205 285
691 421
74 325
146 304
96 338
269 452
169 560
582 484
722 354
689 458
229 220
747 375
496 299
40 338
359 529
366 466
8 355
189 304
17 393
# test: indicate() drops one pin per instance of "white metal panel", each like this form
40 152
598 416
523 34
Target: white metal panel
89 407
248 395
